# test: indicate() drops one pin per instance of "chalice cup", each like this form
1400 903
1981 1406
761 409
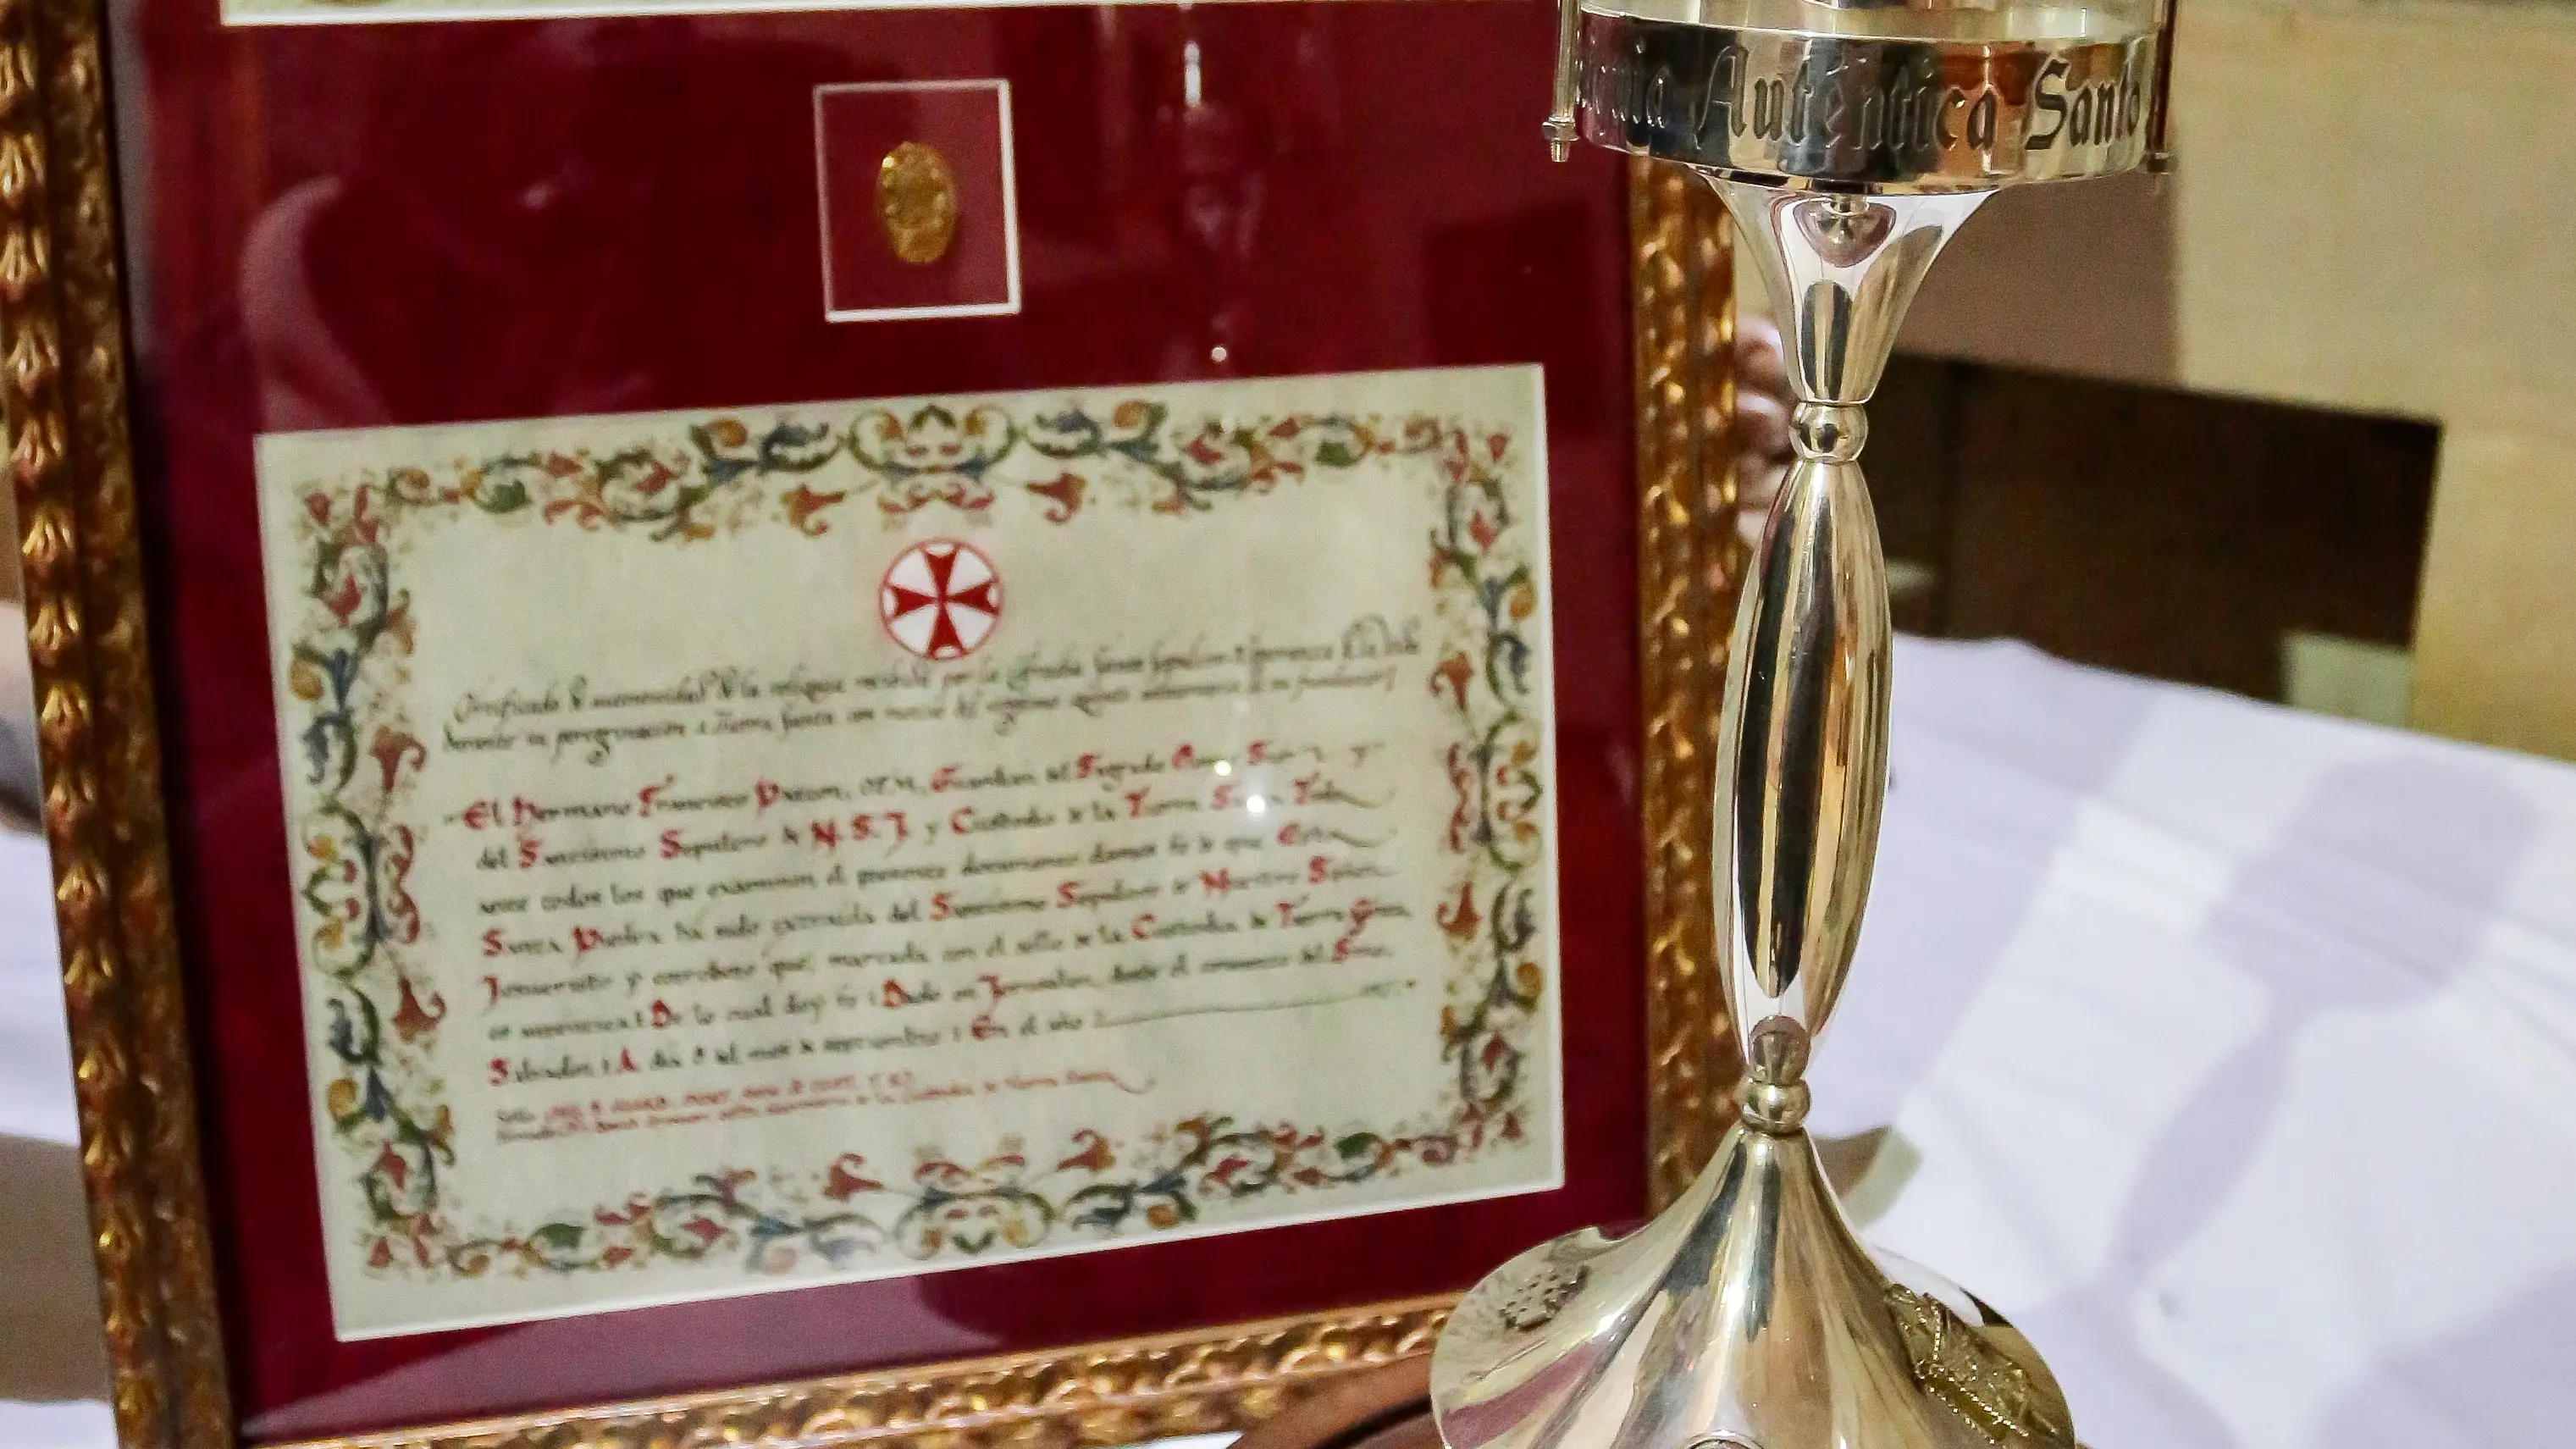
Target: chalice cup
1849 141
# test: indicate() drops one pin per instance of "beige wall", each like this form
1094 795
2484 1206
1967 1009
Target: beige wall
2375 211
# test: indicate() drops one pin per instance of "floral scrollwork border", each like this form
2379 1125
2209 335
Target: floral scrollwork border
1689 564
63 419
354 760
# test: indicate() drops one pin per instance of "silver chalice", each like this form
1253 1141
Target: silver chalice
1849 141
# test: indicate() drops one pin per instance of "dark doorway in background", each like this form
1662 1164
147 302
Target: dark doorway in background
2200 539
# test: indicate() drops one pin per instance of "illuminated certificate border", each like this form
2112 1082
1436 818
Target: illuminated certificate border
1441 472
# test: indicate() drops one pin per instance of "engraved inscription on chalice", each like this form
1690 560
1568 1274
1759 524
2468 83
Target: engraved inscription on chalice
1865 109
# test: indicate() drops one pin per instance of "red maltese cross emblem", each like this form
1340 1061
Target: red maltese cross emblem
941 599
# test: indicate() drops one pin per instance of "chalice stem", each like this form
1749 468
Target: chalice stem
1802 763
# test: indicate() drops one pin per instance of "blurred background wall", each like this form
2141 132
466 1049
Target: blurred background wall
2371 218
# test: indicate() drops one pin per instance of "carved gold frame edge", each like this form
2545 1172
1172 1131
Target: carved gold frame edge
63 413
64 421
1193 1382
1690 563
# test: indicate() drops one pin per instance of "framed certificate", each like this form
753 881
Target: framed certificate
834 726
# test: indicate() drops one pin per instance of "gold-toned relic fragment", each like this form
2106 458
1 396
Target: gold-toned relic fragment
916 203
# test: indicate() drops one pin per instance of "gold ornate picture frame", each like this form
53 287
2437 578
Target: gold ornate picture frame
64 334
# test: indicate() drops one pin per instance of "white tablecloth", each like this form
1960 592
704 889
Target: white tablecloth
2232 1051
44 1255
35 1055
2238 1050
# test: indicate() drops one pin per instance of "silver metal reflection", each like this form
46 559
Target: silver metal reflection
1802 753
1996 105
1850 143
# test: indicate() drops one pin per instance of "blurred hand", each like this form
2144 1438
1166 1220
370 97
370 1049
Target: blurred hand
1762 405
